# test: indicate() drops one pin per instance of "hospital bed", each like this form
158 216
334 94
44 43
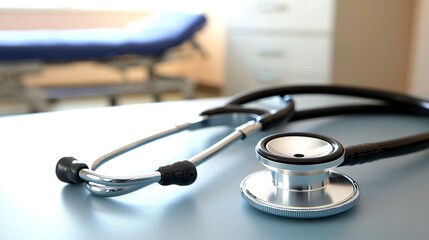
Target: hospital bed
145 42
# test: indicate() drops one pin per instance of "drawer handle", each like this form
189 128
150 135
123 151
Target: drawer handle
273 53
270 7
268 76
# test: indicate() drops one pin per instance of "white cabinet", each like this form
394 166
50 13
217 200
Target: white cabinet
278 42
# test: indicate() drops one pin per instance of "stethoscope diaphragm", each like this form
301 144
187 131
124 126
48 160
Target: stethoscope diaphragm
299 181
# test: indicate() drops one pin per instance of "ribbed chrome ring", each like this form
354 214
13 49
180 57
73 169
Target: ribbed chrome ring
339 195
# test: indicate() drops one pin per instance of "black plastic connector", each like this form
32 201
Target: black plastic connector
180 173
68 168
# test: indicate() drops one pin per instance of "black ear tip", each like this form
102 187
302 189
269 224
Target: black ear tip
180 173
68 168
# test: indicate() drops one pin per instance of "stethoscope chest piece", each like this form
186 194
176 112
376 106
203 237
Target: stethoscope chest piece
299 181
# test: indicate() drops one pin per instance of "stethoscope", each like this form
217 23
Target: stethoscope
299 180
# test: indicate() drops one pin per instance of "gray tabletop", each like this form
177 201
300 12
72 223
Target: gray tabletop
35 205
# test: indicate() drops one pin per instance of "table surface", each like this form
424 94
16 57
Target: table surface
35 205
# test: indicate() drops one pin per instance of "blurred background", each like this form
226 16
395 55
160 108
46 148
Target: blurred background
247 44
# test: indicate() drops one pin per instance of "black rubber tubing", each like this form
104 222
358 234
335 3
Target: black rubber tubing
395 99
393 103
368 152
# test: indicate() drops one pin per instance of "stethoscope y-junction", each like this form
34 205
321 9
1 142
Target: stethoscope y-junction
299 180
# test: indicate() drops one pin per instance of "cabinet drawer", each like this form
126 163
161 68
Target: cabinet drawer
317 15
254 62
294 54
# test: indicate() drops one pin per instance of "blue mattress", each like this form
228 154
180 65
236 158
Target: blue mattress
152 35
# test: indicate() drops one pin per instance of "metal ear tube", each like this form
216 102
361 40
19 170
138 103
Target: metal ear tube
299 181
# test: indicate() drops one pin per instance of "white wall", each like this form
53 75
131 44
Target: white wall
419 70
